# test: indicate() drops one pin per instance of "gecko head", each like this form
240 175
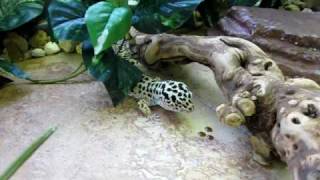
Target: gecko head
176 97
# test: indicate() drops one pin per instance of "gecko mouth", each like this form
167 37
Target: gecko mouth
175 109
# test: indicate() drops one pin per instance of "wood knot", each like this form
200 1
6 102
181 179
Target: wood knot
290 91
295 120
267 65
310 111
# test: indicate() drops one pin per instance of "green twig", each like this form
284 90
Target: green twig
74 74
26 154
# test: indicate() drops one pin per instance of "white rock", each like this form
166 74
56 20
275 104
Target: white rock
51 48
307 10
67 46
38 52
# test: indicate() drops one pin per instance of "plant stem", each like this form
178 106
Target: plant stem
1 8
74 74
27 153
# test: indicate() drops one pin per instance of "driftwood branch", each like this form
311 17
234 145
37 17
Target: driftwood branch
282 114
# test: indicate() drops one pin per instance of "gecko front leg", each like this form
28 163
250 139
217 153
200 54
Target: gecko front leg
143 105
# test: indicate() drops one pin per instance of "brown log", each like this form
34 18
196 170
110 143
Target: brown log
293 43
282 114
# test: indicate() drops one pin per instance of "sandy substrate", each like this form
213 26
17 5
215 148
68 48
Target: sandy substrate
96 141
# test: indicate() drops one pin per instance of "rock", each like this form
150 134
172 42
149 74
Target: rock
38 52
79 48
51 48
16 46
294 43
67 46
39 39
28 55
21 41
4 54
307 10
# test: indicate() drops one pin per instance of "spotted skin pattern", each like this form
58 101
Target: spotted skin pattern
170 95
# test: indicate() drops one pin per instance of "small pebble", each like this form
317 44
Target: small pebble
202 134
307 10
208 129
79 48
38 52
67 46
39 39
51 48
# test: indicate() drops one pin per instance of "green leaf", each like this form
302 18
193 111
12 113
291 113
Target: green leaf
26 154
123 80
119 3
14 13
66 17
107 24
243 2
12 69
118 75
161 15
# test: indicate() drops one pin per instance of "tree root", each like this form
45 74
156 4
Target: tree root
282 114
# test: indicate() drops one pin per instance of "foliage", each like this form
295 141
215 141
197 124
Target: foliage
66 18
107 23
12 69
14 13
118 75
161 15
26 154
